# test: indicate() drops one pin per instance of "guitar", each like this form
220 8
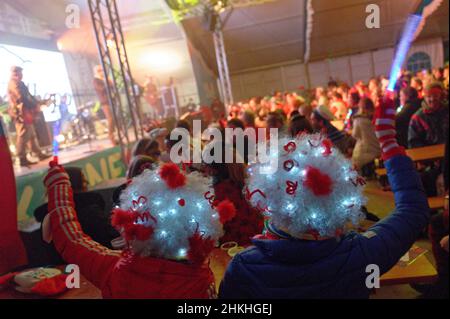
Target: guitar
29 114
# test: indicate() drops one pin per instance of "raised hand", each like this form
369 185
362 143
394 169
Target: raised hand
385 128
56 176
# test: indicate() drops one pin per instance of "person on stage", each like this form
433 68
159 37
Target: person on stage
152 96
22 109
102 94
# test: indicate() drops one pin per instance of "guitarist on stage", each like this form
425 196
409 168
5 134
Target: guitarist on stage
22 108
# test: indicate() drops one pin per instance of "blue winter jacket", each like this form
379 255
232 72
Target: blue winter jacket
332 268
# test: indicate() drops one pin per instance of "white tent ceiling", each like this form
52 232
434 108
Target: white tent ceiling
274 32
269 33
339 26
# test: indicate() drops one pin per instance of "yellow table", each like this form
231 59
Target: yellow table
419 271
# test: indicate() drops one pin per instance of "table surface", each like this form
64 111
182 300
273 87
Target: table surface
426 153
420 154
419 271
86 291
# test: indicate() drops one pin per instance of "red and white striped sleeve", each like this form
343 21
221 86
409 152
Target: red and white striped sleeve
95 261
385 129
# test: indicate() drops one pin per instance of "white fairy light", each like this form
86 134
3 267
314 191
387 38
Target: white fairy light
290 206
163 234
182 253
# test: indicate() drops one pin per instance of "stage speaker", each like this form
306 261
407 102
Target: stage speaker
43 134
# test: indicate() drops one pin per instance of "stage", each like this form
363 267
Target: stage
99 160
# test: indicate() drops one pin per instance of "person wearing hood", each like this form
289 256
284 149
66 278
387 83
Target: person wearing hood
409 105
429 124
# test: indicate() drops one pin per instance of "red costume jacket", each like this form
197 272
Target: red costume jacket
117 274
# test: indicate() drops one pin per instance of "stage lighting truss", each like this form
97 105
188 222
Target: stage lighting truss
211 11
120 85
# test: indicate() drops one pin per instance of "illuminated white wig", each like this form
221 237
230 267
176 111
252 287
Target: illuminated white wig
313 191
168 214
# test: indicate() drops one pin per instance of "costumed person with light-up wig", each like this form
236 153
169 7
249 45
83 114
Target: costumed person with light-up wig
170 222
307 249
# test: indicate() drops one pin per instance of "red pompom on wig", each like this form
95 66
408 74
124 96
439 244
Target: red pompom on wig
172 175
226 211
122 217
320 184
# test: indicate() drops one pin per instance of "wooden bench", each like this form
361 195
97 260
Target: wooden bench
434 202
427 153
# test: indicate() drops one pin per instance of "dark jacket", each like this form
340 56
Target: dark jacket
403 119
332 268
428 128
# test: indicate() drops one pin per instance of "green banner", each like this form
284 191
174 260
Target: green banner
99 167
